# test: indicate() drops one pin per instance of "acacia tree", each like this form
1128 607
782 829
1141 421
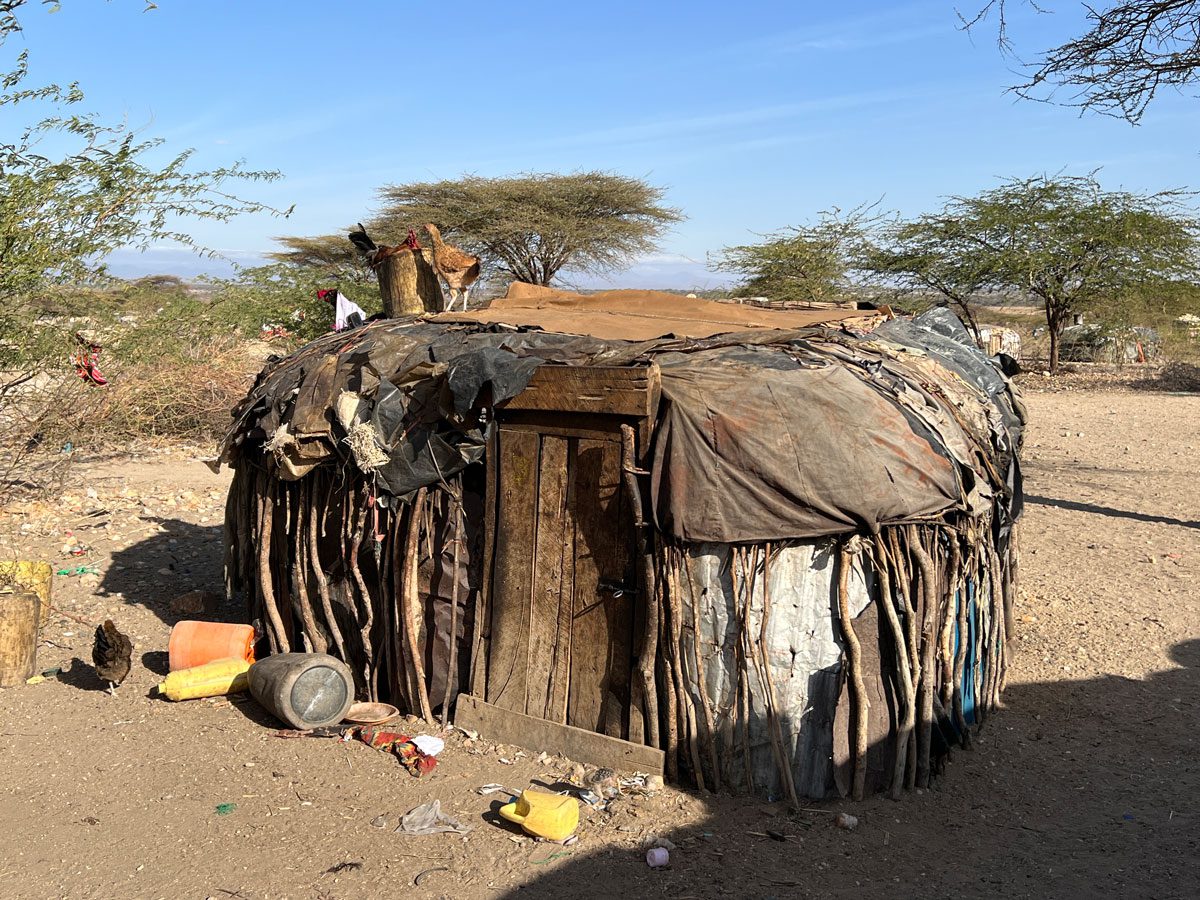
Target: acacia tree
1071 244
62 213
1129 52
809 263
531 227
72 190
933 252
331 255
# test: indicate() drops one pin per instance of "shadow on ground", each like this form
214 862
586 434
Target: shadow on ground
157 661
182 557
1174 377
1076 506
1077 789
82 675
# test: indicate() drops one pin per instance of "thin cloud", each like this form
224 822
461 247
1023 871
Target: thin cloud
897 24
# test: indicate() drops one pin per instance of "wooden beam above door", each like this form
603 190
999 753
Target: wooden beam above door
606 390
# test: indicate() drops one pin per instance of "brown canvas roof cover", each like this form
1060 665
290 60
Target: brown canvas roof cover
762 433
639 315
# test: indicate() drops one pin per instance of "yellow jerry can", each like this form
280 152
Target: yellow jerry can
550 816
221 676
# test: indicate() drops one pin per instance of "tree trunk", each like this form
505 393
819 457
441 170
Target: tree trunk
965 307
1055 321
408 285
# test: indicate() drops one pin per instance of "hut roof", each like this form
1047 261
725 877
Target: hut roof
640 315
770 424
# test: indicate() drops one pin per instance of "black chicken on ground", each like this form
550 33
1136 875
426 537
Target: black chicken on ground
112 655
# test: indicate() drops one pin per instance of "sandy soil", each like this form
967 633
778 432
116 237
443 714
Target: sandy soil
1086 785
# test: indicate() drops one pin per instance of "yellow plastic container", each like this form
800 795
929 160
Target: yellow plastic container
222 676
550 816
32 576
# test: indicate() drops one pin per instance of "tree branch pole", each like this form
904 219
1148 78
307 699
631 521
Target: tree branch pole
648 592
858 689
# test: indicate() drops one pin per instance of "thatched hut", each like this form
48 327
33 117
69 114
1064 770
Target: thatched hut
775 544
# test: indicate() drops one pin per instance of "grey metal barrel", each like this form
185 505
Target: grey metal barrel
305 690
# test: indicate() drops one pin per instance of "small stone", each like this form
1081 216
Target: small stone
653 840
846 822
195 602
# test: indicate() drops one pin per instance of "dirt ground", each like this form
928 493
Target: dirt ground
1087 785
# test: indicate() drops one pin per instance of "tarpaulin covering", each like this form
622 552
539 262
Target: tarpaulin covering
754 444
764 432
803 650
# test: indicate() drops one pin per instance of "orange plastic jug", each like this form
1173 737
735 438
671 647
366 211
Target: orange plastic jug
196 643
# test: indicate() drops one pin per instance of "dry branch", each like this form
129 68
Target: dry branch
908 695
858 689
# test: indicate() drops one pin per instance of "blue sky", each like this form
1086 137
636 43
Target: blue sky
752 115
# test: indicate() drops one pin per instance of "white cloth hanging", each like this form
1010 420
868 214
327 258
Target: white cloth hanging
343 309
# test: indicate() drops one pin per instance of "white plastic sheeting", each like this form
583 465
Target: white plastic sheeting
804 650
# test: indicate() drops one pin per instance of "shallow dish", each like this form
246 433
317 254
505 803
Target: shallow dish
371 713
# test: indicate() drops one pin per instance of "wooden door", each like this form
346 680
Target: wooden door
562 600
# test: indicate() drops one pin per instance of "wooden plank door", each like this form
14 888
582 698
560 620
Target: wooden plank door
512 571
602 625
561 637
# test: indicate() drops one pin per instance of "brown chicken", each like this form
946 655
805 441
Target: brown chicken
112 655
458 268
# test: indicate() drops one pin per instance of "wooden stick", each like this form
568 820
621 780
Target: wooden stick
370 672
412 601
858 688
710 730
989 632
982 627
945 645
925 692
908 696
783 757
312 634
904 585
239 571
279 638
675 607
1010 574
997 645
234 535
402 521
314 558
649 647
62 612
960 657
451 670
742 704
482 624
671 717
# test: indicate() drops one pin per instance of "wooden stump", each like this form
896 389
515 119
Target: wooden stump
30 576
408 284
19 612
